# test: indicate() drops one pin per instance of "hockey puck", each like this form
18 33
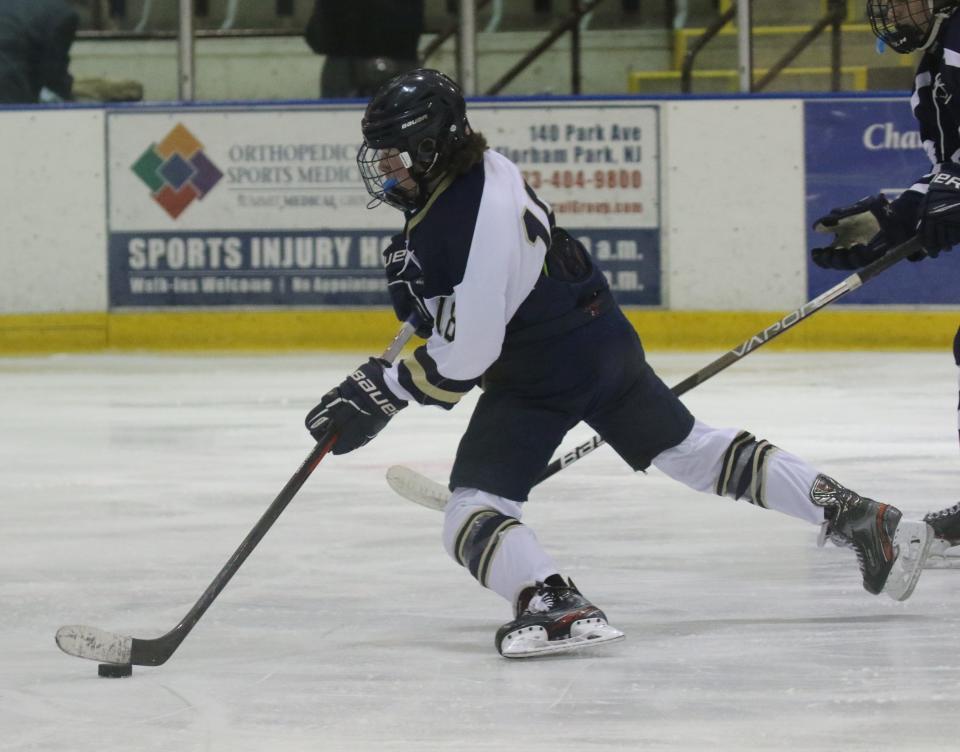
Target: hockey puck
115 670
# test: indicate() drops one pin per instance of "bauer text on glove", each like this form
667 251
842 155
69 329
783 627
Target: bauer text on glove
357 410
940 211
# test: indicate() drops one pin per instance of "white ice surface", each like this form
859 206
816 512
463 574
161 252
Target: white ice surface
127 481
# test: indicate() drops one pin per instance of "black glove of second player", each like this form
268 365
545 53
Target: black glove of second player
405 284
940 211
863 232
357 410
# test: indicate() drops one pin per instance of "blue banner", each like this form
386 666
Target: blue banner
328 267
856 148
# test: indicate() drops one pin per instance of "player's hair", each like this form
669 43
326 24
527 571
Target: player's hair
468 153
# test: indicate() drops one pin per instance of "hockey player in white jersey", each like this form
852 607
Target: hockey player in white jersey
868 228
516 305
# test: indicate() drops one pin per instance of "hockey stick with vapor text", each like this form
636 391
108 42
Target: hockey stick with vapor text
422 490
112 648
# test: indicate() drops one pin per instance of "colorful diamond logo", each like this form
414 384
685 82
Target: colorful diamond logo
177 171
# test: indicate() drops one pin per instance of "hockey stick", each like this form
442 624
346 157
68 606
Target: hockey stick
421 490
109 647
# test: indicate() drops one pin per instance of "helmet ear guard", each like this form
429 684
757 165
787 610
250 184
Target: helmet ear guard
427 150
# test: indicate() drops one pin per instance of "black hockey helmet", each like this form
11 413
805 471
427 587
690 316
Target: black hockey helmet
413 124
908 25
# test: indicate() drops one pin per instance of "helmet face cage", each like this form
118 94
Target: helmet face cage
388 177
907 25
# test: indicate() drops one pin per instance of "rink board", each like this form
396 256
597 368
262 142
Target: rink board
245 226
367 330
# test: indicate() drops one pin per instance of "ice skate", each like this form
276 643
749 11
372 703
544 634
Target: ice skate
891 551
553 617
945 548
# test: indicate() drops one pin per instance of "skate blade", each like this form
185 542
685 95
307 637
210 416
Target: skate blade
912 541
534 644
943 555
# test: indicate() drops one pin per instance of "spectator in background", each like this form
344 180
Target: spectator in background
366 43
35 40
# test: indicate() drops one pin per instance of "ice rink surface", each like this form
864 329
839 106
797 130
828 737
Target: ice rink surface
127 481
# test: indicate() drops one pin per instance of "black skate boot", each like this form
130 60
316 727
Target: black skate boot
946 531
552 617
891 551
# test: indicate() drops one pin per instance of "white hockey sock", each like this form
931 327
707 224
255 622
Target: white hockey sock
730 462
789 480
483 533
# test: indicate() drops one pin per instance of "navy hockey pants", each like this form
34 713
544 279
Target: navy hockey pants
535 393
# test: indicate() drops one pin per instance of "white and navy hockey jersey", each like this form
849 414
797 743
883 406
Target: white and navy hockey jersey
481 240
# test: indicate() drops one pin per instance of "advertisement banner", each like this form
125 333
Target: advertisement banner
856 148
265 206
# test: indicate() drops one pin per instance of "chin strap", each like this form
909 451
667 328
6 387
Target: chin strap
939 16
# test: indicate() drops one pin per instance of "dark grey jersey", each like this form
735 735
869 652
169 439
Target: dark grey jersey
936 99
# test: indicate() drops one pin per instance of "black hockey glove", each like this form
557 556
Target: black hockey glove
405 284
940 211
863 232
358 409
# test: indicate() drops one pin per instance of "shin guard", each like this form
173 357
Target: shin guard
744 469
482 532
